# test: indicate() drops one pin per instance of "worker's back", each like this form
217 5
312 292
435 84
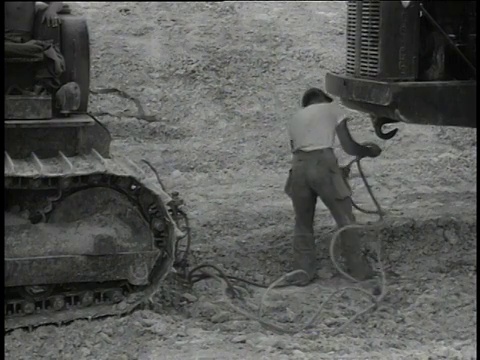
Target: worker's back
313 127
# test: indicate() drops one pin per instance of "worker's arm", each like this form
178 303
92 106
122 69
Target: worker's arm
353 148
51 14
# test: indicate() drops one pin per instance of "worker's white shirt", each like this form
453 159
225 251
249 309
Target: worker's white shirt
313 127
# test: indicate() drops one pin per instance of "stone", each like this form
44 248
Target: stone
297 354
176 173
451 236
240 339
206 309
280 344
324 274
189 297
122 306
220 317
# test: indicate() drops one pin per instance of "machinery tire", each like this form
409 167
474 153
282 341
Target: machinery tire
75 48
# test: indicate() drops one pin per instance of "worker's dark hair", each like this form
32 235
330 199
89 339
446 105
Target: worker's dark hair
315 95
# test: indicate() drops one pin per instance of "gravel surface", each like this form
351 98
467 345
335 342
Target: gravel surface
222 79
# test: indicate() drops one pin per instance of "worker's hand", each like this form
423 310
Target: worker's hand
345 171
51 17
373 149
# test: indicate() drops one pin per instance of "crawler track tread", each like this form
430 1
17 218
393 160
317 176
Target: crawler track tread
82 172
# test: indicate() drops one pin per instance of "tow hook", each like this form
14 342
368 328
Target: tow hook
378 123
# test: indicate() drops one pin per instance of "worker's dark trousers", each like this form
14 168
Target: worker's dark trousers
317 174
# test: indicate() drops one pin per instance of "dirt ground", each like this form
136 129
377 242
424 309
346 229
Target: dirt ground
222 80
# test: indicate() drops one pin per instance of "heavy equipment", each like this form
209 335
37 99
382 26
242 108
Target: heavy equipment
410 61
87 233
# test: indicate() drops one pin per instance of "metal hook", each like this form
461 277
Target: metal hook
378 123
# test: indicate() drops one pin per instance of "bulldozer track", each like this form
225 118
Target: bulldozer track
70 174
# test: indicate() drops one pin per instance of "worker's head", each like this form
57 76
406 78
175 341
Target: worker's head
315 96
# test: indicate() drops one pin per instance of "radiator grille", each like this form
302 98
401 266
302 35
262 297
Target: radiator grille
363 38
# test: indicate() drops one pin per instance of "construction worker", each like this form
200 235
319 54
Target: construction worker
315 173
20 18
20 44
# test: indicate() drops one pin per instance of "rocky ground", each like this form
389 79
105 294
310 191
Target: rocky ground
221 80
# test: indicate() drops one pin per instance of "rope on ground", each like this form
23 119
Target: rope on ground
140 111
230 290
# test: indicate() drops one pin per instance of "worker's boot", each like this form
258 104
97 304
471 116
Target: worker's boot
304 258
356 263
359 268
306 262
